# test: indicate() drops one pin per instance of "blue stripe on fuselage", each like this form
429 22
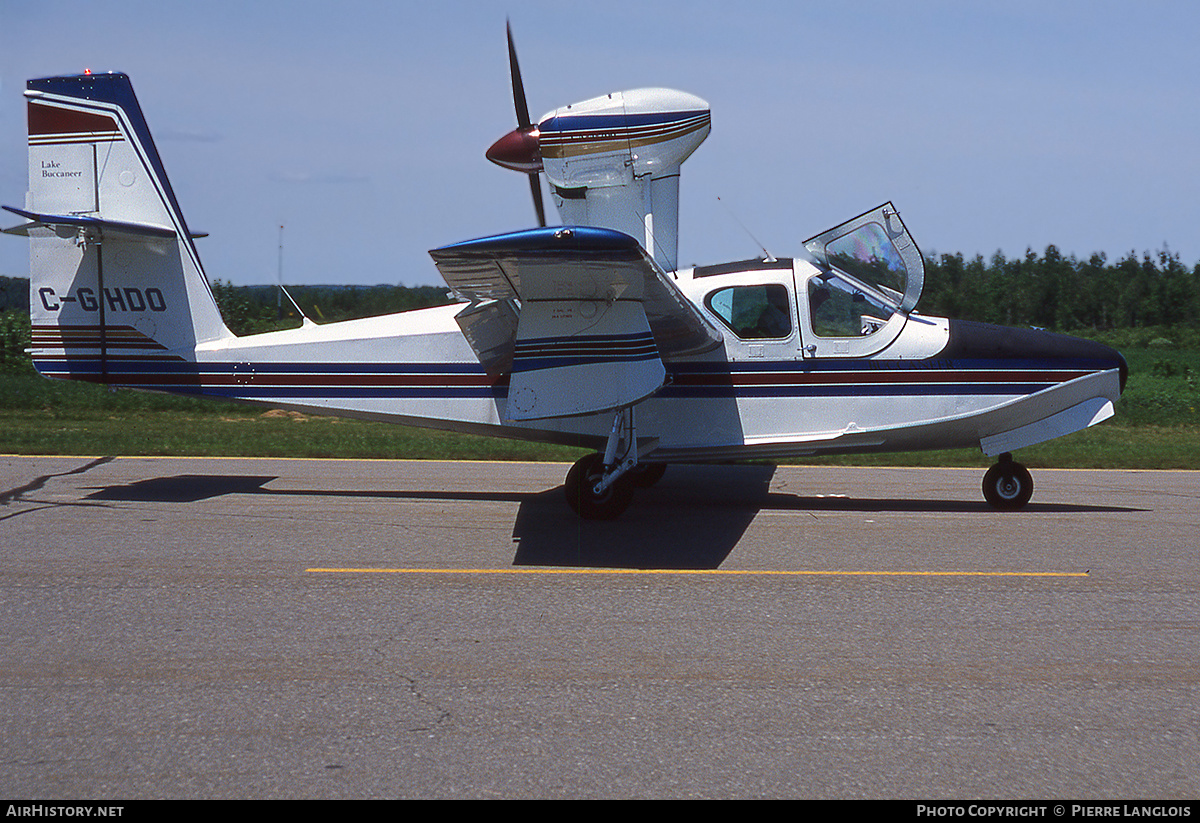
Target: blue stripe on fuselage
837 378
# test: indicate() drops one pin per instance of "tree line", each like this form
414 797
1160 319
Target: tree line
1063 293
1046 291
254 309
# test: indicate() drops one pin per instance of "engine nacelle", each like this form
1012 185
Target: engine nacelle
613 161
611 139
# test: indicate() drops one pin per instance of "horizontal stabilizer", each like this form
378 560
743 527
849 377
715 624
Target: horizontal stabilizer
126 231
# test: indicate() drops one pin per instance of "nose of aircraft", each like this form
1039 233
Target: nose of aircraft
982 341
518 150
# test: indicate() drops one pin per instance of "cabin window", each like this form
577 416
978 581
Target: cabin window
753 312
838 309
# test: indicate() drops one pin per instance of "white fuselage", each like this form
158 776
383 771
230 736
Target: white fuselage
762 359
746 399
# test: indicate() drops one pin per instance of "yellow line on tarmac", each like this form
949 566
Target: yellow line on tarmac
709 572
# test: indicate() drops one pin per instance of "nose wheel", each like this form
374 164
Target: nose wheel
1007 485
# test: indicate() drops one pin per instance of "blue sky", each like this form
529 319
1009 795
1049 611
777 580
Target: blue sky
361 125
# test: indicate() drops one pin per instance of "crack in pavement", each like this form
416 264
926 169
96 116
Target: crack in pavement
12 495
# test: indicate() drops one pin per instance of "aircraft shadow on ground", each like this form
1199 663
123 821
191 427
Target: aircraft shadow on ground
183 488
693 519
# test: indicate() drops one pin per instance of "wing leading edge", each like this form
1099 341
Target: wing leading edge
582 317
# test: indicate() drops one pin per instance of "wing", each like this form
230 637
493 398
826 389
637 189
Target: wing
582 317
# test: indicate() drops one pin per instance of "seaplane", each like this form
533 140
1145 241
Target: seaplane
587 333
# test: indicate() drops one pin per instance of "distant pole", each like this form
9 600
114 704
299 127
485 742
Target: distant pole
279 294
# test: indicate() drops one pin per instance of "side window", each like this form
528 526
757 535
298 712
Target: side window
840 310
753 312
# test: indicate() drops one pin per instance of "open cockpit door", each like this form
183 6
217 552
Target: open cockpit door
875 252
870 278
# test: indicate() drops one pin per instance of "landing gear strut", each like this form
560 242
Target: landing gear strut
600 486
1007 485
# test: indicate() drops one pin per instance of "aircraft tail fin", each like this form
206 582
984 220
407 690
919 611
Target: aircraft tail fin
115 277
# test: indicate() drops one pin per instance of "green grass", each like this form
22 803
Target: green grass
1108 445
61 417
265 435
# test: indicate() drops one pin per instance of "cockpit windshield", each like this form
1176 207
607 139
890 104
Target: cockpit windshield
873 256
867 255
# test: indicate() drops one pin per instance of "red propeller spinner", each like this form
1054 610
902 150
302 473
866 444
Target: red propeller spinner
518 150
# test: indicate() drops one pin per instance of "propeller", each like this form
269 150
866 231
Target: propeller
519 149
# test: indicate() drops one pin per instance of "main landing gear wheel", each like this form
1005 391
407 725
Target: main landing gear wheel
1007 485
580 488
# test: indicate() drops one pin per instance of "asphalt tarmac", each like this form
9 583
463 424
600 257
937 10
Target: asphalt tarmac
231 628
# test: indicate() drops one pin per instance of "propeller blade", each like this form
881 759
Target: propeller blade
514 69
535 186
519 149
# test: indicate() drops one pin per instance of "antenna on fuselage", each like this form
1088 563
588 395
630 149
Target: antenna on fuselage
767 256
279 277
304 320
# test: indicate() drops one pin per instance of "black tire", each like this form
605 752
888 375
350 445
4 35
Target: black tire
582 498
645 475
1007 486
